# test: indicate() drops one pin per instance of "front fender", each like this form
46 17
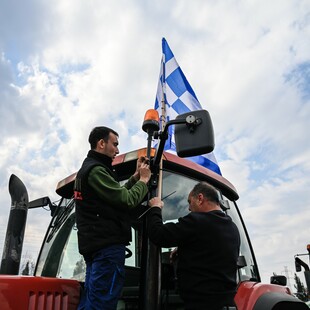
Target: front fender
273 300
259 296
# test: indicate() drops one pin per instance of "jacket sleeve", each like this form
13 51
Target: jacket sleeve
130 183
170 234
108 189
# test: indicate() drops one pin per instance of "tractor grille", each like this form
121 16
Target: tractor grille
48 301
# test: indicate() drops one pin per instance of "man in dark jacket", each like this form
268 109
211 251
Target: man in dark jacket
208 247
102 217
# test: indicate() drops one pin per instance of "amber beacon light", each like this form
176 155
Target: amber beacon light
151 121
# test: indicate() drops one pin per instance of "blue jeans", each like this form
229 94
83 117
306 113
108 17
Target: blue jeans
104 279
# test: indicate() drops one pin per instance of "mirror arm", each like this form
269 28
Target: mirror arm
302 263
163 136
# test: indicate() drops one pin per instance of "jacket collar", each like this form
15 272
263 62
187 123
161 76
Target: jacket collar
104 159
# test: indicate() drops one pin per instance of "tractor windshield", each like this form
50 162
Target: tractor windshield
60 258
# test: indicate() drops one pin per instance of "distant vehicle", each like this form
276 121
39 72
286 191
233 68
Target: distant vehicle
150 282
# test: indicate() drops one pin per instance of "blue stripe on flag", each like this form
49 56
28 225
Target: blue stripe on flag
179 98
176 82
166 50
206 162
156 106
180 107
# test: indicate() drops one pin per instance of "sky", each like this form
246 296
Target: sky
68 66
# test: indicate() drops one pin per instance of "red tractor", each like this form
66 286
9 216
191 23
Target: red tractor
150 282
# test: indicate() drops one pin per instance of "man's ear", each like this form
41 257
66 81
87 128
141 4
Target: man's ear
100 144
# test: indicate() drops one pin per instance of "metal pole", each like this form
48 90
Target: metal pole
149 294
150 289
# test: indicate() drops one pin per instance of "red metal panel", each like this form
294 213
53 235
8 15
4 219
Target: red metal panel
38 293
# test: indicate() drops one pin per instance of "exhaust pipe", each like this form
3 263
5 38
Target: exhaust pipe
14 238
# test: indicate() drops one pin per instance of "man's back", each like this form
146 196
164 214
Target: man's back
207 257
208 247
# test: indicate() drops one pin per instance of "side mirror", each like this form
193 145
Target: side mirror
241 262
40 202
196 137
279 280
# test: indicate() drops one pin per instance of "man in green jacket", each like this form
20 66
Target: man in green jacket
102 217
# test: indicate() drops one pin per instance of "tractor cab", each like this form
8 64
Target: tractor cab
59 256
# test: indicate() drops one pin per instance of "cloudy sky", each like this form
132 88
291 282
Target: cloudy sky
67 66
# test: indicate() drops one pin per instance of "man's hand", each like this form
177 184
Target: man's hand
174 255
156 202
141 160
144 172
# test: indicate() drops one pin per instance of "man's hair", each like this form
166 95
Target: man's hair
207 190
99 133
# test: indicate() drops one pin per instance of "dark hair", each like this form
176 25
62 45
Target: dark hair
99 133
207 190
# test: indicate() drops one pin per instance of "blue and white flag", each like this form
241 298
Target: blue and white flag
177 97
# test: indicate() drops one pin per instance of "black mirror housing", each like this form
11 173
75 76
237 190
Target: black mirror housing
279 280
196 136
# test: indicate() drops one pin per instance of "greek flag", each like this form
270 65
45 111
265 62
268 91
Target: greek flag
177 97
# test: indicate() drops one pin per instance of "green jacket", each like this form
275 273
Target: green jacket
103 205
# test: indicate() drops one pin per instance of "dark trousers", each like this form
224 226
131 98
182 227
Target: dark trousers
104 279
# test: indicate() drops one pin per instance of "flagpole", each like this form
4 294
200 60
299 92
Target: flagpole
163 124
150 288
151 295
